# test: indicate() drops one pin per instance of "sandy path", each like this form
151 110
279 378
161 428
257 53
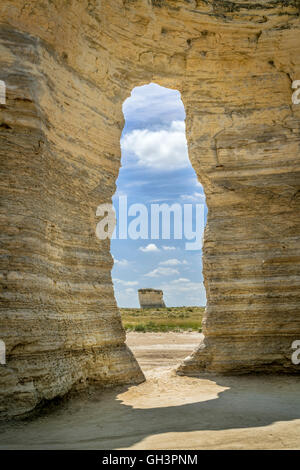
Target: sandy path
161 350
170 412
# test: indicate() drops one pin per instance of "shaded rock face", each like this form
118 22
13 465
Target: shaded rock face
151 298
68 69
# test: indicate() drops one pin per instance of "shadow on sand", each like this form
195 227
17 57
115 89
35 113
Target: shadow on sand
103 421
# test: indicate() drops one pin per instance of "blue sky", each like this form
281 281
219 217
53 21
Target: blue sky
156 169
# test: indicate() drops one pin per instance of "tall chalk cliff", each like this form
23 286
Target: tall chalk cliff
68 67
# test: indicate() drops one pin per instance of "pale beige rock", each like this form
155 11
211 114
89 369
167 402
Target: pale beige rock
68 68
151 298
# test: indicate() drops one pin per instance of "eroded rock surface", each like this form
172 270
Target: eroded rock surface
68 68
151 298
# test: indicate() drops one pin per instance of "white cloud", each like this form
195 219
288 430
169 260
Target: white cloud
169 248
182 291
193 197
130 290
180 280
126 296
153 104
162 149
162 272
172 262
122 262
125 283
149 248
184 286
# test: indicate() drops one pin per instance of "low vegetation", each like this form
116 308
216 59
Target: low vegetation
162 319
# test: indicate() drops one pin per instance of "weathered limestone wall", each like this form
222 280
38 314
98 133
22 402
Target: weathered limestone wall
59 318
68 69
151 298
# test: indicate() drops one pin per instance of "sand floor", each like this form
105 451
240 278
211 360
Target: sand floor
168 411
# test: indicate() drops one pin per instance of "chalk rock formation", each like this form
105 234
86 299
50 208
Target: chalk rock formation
68 67
151 298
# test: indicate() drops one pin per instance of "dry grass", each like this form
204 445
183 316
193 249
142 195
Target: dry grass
162 319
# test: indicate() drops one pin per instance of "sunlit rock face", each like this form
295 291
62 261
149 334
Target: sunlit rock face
151 298
68 68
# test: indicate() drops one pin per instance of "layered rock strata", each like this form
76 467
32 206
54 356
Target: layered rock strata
68 67
151 298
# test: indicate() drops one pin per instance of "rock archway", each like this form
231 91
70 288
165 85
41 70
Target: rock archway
68 67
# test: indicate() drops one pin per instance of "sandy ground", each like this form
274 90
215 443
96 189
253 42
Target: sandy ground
169 412
158 351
